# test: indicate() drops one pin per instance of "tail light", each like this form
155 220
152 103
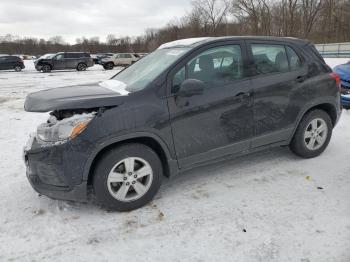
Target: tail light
336 77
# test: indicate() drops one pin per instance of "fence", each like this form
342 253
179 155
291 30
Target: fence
334 50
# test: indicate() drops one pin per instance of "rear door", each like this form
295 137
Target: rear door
3 63
219 121
279 73
71 60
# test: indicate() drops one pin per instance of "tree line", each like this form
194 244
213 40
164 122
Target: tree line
321 21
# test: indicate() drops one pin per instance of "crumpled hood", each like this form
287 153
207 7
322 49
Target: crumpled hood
107 93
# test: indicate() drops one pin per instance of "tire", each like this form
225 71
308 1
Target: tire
18 68
309 141
346 107
108 66
46 68
109 192
81 67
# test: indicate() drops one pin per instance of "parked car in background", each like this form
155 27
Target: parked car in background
120 59
65 60
189 103
97 57
142 54
8 62
344 72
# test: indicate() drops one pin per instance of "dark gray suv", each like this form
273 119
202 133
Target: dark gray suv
190 102
60 61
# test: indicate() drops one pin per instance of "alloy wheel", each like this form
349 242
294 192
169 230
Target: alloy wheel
315 134
130 179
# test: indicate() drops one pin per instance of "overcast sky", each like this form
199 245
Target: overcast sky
72 19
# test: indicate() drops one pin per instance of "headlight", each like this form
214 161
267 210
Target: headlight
61 130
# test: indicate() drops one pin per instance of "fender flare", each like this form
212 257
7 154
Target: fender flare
117 139
313 104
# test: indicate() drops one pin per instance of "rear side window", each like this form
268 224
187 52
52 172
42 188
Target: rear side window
69 55
270 58
294 60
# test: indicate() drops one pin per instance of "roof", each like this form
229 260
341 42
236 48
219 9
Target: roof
193 42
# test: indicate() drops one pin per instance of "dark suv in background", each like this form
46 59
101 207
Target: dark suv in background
188 103
68 60
8 62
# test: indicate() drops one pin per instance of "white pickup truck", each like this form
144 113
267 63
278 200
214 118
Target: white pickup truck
119 59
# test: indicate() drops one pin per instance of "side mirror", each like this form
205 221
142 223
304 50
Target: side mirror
191 87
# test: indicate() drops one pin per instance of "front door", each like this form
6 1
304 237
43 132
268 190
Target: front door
219 121
59 62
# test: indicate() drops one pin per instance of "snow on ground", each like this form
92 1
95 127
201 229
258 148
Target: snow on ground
268 206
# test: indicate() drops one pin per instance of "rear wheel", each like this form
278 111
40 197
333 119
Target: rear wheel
127 177
81 67
108 66
312 135
18 68
46 68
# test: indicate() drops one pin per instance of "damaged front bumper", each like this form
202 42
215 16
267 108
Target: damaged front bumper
54 171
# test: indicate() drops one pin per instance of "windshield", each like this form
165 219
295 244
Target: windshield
139 75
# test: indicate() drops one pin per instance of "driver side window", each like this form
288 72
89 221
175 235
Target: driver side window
60 56
215 66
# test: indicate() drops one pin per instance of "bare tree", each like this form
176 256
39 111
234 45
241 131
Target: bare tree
212 13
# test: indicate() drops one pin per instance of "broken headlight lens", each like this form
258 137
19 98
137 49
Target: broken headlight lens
61 130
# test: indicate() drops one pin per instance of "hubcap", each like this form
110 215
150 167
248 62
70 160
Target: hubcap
130 179
315 134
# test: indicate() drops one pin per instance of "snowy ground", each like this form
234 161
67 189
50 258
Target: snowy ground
269 206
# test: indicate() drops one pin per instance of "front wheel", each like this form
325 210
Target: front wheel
127 177
18 68
312 135
46 68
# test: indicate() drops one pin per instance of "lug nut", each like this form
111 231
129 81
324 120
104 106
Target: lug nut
125 178
133 182
135 176
127 183
130 173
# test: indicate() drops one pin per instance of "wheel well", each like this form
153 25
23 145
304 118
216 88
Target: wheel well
46 64
329 109
150 142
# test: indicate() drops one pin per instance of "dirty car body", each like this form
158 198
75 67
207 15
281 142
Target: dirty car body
251 111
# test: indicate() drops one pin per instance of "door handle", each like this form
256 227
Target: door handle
300 79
